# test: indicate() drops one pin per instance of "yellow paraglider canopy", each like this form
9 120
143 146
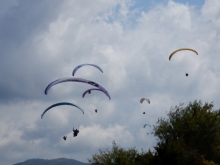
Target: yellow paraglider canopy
181 50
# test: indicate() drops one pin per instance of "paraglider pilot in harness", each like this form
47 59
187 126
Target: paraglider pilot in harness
187 74
75 132
64 137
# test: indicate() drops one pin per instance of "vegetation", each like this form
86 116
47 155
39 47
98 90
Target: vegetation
116 156
190 135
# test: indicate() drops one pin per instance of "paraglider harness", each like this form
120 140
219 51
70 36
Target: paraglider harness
64 137
75 132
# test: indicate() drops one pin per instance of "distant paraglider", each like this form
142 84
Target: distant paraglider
145 125
96 110
142 99
58 104
89 91
181 50
79 66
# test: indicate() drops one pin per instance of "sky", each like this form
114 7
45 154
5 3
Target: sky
130 40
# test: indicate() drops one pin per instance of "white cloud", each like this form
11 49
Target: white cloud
134 58
211 11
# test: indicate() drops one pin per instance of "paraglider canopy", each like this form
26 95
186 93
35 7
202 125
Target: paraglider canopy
146 125
142 99
79 66
80 80
58 104
89 91
181 50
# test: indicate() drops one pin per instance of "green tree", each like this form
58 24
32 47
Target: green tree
190 135
145 158
116 156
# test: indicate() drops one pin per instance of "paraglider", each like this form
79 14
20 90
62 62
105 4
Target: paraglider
142 99
73 79
64 137
146 125
96 110
89 91
58 104
181 50
79 66
75 132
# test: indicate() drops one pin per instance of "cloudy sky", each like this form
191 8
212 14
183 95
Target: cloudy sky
131 40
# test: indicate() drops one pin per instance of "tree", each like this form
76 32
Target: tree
146 158
117 156
190 135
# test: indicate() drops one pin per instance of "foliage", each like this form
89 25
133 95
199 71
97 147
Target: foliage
145 158
189 135
117 156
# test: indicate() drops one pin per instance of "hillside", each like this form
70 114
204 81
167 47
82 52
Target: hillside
59 161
